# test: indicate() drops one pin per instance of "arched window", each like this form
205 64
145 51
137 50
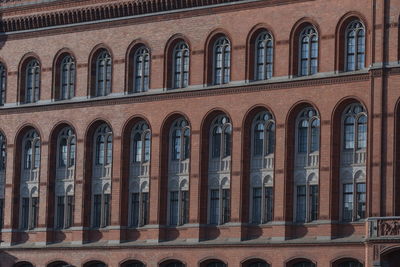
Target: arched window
222 61
219 170
67 77
32 82
307 165
3 84
262 158
139 175
3 157
103 73
353 162
355 46
308 51
304 264
181 65
350 264
142 69
264 56
65 175
101 183
178 173
30 180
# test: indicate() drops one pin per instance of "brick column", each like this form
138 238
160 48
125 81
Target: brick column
236 192
154 191
43 181
116 188
194 181
79 192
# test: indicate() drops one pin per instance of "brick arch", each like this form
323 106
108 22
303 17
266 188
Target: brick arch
125 163
251 47
87 175
246 155
55 92
130 64
18 157
336 129
204 157
22 74
92 67
52 161
168 58
164 147
294 43
290 126
340 38
209 51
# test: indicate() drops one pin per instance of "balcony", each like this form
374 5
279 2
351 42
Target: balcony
101 171
384 228
179 167
139 169
65 173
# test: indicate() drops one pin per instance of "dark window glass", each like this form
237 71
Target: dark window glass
362 132
1 213
349 133
303 136
173 207
137 147
34 212
214 206
304 264
269 204
185 207
69 212
96 210
176 144
216 142
226 205
135 201
308 51
351 264
258 264
32 82
145 208
257 200
258 139
355 46
25 213
227 141
107 210
315 136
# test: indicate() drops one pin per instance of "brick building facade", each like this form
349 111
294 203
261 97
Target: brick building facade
203 133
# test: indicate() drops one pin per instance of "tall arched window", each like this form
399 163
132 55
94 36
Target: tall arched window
103 73
30 180
308 51
65 175
32 82
178 173
142 69
219 170
264 56
181 65
101 182
355 46
306 165
139 175
67 77
3 84
222 61
262 164
3 157
353 163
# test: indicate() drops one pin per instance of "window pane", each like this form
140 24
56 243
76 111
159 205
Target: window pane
1 213
257 198
173 207
214 206
185 207
361 200
362 132
314 202
347 202
269 204
107 209
258 139
216 142
301 203
135 209
60 212
226 202
25 213
35 212
349 133
96 210
70 212
145 208
303 136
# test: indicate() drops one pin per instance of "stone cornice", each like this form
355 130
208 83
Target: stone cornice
117 10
